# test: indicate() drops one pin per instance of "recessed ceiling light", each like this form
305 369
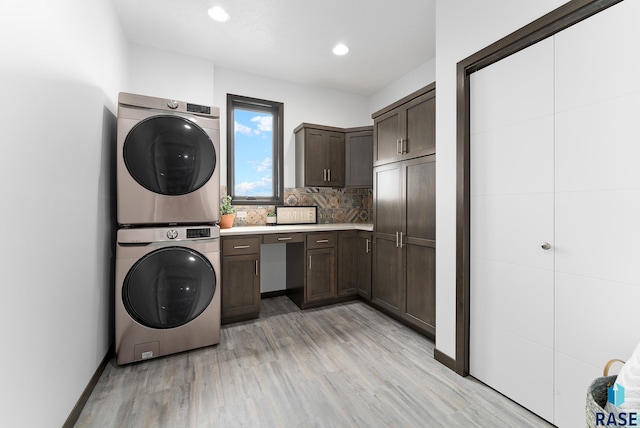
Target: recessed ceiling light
340 49
218 14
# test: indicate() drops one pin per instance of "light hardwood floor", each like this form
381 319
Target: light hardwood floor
346 365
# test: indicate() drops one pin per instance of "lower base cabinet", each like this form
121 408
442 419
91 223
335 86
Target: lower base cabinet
240 278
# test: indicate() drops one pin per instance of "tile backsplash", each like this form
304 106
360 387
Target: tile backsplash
334 205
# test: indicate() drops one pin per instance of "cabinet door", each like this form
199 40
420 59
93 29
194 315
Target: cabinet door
387 130
419 126
347 263
420 307
334 153
364 264
316 159
387 196
359 159
387 289
321 274
240 285
419 200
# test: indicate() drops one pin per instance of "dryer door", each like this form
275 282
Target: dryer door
169 287
169 155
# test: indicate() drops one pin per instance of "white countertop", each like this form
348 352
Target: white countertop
261 230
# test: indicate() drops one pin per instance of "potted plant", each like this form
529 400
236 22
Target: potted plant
271 219
227 213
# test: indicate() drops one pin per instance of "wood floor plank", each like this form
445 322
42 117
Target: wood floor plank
346 365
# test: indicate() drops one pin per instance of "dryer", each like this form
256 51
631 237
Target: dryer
167 162
167 291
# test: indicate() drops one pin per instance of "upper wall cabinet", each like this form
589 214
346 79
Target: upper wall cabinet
406 129
319 156
327 156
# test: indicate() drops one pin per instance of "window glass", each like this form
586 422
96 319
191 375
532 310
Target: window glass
254 143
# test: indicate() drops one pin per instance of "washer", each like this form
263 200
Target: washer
167 162
167 291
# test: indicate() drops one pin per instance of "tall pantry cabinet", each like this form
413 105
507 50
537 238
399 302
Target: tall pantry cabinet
404 210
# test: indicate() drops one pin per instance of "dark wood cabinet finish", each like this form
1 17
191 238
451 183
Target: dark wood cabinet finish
359 157
320 156
404 241
406 129
347 263
321 274
365 245
240 278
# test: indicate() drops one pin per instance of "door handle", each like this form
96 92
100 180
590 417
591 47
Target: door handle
240 247
329 174
400 239
257 271
403 145
309 261
367 247
545 246
284 238
398 146
322 241
397 242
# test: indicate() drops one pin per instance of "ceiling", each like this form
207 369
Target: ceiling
292 39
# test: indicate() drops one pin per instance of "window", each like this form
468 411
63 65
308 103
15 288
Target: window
254 151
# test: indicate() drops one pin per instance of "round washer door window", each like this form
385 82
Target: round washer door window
169 287
169 155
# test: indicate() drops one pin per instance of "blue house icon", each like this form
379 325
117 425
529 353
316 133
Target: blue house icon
615 395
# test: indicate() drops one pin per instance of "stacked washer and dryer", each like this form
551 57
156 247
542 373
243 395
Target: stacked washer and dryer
167 293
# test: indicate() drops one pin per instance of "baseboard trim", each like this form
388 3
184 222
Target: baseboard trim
270 294
82 401
444 359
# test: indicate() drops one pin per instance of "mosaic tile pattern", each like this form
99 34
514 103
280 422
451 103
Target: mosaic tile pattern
334 205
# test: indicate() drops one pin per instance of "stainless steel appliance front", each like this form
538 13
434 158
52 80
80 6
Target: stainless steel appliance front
167 291
167 162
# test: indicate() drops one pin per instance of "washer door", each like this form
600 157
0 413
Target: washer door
169 287
169 155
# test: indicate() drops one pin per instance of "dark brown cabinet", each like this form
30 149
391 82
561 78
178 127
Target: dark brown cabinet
320 156
364 264
347 263
359 157
406 129
404 240
320 267
240 278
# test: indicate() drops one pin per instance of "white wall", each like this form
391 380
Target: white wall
62 65
462 28
164 74
417 78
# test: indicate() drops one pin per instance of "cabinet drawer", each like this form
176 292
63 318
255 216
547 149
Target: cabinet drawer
321 240
282 238
234 246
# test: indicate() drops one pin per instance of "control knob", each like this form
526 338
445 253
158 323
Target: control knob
172 234
172 104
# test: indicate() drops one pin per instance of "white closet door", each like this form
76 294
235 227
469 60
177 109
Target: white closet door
512 198
597 201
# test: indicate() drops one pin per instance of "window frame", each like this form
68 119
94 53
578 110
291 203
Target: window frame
277 110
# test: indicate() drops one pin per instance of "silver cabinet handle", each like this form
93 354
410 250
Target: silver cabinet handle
284 238
400 239
257 271
367 247
240 247
398 146
397 242
329 174
322 241
309 261
403 145
545 246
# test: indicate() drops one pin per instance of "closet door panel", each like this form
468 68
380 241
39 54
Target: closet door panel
596 59
512 228
597 146
517 89
514 159
514 298
599 319
597 235
572 380
498 361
